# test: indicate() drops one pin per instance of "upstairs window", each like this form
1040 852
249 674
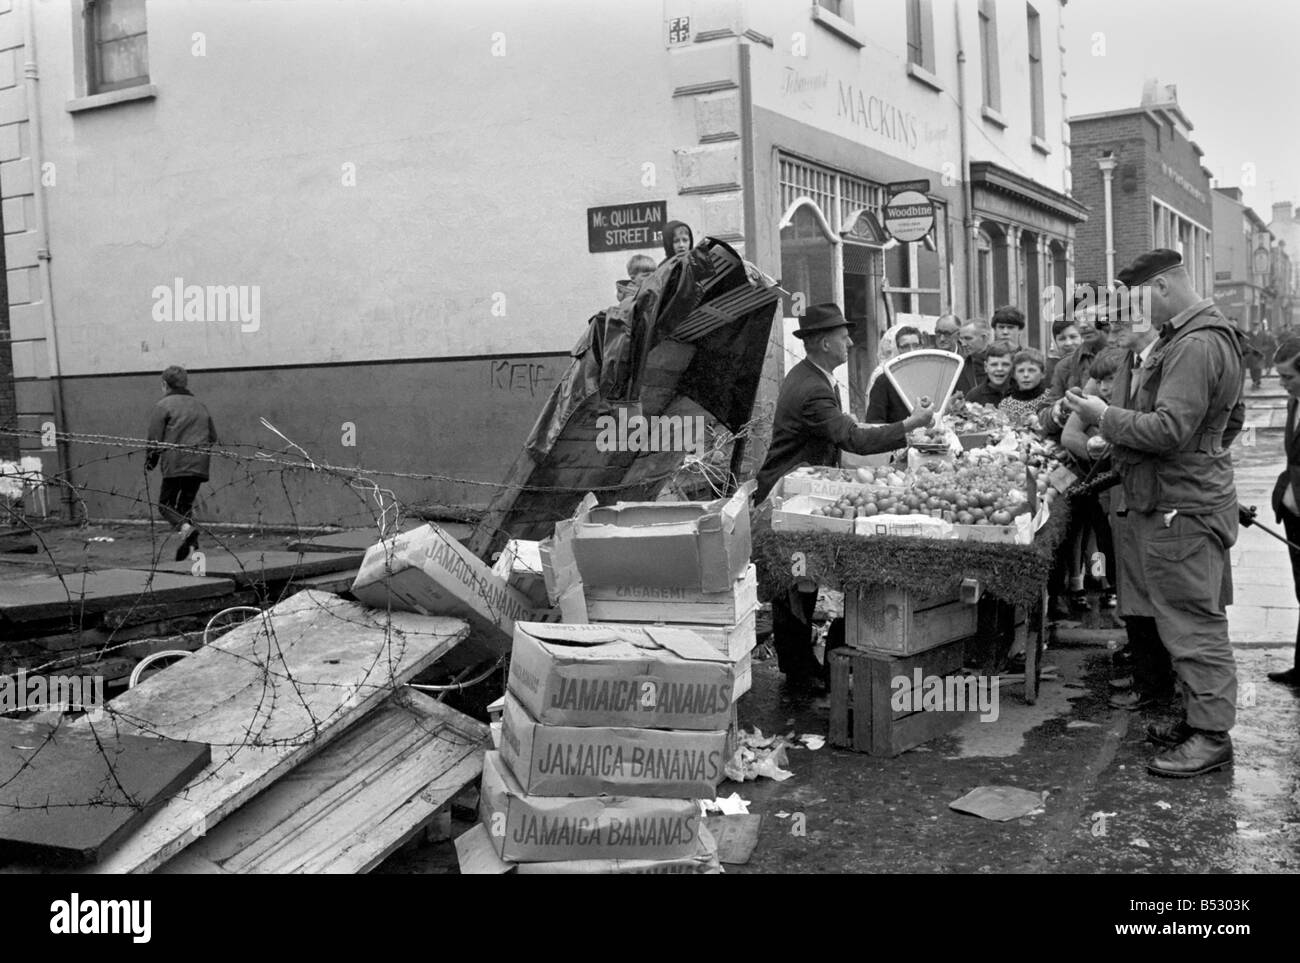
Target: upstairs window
1036 73
920 34
117 48
989 55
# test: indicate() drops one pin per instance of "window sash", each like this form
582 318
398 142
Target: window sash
117 49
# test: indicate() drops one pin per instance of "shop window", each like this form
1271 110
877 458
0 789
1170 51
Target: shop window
989 54
807 262
116 45
1036 73
914 273
840 8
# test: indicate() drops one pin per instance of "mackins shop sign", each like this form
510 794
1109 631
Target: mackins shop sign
879 116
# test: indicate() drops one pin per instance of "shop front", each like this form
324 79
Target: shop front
1023 248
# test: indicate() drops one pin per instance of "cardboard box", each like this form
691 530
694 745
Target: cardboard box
1019 532
648 603
427 571
476 855
744 676
699 545
909 526
520 565
523 828
795 514
591 760
644 676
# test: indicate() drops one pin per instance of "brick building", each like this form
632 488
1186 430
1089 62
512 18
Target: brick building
1140 173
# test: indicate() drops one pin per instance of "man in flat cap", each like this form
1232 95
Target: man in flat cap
1171 425
811 428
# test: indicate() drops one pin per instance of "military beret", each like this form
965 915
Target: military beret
1146 266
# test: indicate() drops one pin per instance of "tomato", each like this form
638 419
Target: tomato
1001 518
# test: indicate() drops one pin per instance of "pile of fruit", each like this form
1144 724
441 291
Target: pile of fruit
884 476
973 418
985 490
934 436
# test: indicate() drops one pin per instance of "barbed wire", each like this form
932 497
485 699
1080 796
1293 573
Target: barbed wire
270 486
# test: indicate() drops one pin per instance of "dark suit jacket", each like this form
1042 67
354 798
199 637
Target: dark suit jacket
1291 473
809 428
884 404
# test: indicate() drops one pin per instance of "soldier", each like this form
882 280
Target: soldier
1170 445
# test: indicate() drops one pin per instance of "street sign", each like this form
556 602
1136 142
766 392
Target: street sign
626 227
909 216
899 186
679 30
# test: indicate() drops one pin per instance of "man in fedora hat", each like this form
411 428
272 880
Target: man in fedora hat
811 428
1171 421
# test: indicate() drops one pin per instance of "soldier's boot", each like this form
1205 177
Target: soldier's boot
1200 753
1169 733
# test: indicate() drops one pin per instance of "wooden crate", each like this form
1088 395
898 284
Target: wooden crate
882 619
862 685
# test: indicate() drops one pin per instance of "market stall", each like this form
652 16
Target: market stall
941 558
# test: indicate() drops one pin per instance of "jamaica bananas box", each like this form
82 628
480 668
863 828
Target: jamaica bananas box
612 674
428 571
590 760
477 856
532 829
703 546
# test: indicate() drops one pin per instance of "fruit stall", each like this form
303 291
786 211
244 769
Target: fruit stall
944 559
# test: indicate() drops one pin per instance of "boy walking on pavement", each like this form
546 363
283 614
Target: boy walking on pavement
180 420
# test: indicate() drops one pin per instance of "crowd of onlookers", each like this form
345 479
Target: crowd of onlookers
1028 387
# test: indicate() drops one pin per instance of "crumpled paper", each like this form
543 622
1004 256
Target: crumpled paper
1000 803
758 756
731 805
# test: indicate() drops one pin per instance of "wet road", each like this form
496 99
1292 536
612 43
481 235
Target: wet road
867 814
1104 813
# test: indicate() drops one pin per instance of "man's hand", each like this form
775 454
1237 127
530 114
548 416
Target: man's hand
1088 409
921 417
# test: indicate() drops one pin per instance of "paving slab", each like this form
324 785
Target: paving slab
33 598
69 795
246 568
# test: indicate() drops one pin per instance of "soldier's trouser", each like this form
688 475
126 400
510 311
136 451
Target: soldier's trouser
1183 574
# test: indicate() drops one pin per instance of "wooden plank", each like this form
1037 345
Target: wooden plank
141 612
921 727
358 801
354 539
259 568
839 732
68 795
267 696
880 678
335 582
78 594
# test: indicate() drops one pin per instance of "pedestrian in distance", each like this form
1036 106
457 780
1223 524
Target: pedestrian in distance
1170 445
181 432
